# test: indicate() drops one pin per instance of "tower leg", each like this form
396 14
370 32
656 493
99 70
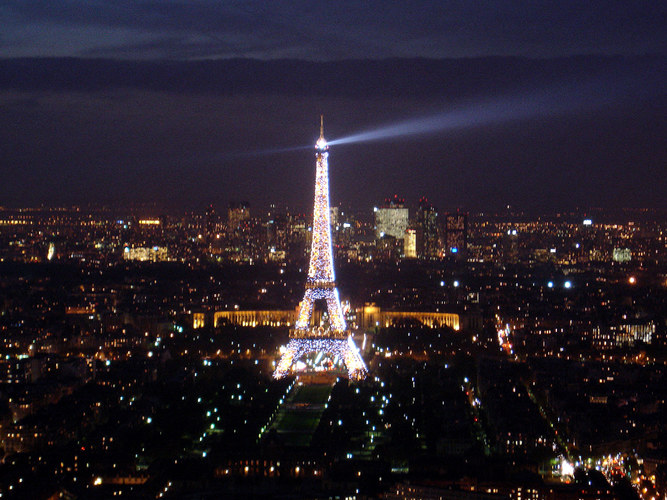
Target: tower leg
344 349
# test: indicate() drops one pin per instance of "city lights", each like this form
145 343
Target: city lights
473 304
566 468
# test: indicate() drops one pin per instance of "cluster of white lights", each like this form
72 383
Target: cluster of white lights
320 284
321 275
336 318
345 350
321 262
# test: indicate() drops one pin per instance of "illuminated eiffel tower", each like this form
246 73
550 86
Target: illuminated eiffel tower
334 339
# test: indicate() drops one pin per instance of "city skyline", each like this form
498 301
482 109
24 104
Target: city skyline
141 354
473 304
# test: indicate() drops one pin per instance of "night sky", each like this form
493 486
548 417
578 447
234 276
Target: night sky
542 105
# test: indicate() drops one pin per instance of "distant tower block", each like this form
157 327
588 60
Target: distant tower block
456 233
392 218
335 339
237 212
211 223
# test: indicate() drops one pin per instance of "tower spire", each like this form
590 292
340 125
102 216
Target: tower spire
321 126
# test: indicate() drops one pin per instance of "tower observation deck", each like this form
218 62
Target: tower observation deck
334 339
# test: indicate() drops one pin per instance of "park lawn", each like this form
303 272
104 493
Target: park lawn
313 394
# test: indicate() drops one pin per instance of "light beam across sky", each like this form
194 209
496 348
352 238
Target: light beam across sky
545 103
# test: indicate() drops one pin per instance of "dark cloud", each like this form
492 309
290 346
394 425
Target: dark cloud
331 30
162 48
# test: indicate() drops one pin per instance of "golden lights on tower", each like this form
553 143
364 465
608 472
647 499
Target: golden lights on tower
320 284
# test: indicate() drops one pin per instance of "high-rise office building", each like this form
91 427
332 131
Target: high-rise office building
509 246
391 219
456 233
410 244
237 213
211 223
427 224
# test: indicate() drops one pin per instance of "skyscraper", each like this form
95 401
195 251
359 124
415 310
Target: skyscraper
456 233
211 224
392 218
236 213
427 224
410 244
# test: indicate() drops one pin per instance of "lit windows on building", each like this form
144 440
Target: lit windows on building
146 254
391 219
410 244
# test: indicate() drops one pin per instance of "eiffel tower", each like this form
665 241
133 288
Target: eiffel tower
334 339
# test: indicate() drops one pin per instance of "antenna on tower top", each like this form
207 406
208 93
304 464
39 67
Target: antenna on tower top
321 144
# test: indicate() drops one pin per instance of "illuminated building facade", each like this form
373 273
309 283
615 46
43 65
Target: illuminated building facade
371 316
367 318
332 338
237 213
624 334
621 255
427 223
211 223
410 244
252 318
146 254
334 216
391 219
510 246
456 232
